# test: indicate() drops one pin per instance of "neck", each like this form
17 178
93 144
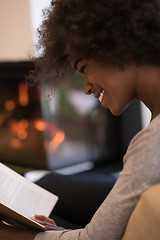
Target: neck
156 111
148 88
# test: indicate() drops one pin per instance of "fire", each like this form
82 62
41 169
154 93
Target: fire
19 129
15 143
22 134
57 140
24 123
23 94
40 125
10 105
2 118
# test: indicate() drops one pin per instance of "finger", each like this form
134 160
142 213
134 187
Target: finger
49 226
44 223
43 218
53 227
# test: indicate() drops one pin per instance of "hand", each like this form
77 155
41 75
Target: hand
48 223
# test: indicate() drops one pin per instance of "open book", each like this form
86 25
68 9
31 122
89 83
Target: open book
20 199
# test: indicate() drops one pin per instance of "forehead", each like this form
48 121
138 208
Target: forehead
76 62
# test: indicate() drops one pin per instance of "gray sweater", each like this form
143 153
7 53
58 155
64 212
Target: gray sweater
141 170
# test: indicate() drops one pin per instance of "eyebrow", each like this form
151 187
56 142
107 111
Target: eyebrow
76 63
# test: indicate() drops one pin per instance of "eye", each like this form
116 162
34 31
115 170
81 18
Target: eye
82 68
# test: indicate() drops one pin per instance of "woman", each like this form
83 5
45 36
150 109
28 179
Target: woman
115 45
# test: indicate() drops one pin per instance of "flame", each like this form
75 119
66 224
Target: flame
57 140
14 126
15 143
19 128
23 94
40 125
2 118
22 134
24 123
9 105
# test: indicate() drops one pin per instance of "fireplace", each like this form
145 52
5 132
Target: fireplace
21 124
65 129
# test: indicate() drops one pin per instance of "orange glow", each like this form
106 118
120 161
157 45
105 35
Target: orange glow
9 105
2 118
14 126
23 94
15 143
22 134
40 125
45 143
19 128
24 123
57 140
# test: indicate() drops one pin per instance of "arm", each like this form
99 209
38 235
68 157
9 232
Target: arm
139 173
110 219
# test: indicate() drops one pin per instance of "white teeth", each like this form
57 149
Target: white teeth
101 96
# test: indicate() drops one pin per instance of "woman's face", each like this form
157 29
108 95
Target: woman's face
113 87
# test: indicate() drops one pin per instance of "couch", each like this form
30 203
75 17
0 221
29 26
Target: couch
144 223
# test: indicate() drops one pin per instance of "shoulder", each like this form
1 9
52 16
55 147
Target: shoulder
147 139
142 158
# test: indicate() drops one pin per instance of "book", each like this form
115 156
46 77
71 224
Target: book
20 199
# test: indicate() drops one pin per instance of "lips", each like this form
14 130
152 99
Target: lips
101 94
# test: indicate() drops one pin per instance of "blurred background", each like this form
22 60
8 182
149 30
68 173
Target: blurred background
67 131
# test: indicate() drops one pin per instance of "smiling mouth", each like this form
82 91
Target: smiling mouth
101 95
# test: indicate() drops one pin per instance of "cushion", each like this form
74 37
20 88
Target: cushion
144 223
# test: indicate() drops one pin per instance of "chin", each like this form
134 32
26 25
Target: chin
116 112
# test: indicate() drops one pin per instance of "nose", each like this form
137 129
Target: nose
88 88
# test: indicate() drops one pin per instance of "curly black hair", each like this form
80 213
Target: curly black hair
114 31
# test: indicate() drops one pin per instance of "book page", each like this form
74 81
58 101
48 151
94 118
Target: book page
24 196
